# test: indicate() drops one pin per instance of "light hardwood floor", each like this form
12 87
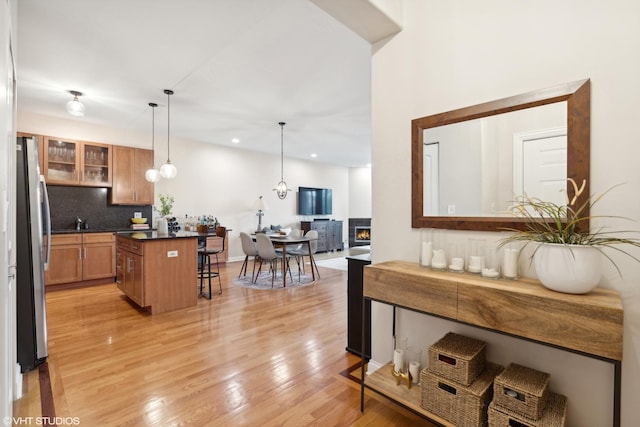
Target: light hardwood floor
245 358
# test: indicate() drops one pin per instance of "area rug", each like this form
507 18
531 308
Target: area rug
339 263
264 281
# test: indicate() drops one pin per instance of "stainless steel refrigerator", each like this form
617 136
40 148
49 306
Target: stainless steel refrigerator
33 223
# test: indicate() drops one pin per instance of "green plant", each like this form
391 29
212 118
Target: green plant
166 204
548 222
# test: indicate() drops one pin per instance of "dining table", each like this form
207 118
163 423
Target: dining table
282 241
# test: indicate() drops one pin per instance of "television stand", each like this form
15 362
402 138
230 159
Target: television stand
329 233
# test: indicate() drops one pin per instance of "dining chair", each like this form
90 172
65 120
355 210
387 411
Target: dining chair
303 251
204 260
250 250
266 252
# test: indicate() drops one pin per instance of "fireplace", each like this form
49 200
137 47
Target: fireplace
362 234
359 232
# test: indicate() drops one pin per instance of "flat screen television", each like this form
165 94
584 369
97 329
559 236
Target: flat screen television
314 201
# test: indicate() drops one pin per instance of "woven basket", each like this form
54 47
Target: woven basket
458 358
522 390
464 406
554 415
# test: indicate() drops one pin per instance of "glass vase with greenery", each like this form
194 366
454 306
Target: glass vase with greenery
166 205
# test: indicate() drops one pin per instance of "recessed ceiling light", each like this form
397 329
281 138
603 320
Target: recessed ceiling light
314 155
235 140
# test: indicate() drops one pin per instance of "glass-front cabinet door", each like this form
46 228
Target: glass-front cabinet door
69 162
61 161
96 170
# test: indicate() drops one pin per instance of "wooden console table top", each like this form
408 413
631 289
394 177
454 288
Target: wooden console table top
590 323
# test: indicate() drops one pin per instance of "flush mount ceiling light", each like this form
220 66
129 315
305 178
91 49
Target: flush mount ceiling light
153 174
281 189
75 107
168 170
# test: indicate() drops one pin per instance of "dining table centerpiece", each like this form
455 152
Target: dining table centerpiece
568 254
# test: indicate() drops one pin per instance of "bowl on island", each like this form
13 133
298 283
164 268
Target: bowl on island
139 220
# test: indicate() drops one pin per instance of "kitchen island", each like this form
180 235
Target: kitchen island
158 271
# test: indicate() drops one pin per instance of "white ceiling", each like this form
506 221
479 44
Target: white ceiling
238 67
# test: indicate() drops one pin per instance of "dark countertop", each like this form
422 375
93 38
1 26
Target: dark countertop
361 257
91 230
153 235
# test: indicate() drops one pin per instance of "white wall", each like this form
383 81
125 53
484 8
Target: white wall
360 192
454 54
215 180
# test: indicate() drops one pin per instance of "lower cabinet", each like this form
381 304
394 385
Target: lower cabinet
80 257
158 274
130 270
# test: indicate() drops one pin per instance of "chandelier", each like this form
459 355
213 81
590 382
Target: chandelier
281 189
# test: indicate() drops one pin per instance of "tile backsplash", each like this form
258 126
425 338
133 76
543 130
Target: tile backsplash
90 204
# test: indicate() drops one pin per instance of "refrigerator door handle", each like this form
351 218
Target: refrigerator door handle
47 211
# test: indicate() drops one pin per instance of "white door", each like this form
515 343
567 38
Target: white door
540 164
430 185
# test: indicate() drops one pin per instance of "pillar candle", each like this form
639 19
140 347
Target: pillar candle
414 370
398 360
510 263
425 254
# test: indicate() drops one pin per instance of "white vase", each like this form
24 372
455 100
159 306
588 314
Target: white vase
162 226
572 269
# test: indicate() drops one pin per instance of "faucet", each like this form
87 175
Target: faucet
79 222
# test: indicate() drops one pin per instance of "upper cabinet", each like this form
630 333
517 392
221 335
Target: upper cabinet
129 184
70 162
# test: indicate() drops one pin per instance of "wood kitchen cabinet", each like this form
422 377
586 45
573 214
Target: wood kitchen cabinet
65 263
81 257
71 162
129 270
158 273
129 184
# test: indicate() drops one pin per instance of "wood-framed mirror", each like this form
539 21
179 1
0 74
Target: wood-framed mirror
573 98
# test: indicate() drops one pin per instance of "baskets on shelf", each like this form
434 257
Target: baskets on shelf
465 406
554 414
458 358
522 390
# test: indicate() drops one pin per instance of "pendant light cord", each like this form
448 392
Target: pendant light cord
153 106
169 93
282 150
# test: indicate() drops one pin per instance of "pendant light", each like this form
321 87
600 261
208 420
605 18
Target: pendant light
168 170
153 174
281 189
75 107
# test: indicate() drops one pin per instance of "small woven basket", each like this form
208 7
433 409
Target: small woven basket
554 415
464 406
522 390
458 358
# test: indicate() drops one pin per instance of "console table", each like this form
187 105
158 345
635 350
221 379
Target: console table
589 325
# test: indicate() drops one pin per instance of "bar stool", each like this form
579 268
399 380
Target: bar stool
204 263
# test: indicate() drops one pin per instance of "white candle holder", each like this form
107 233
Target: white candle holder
491 269
426 246
456 258
475 256
439 256
510 255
